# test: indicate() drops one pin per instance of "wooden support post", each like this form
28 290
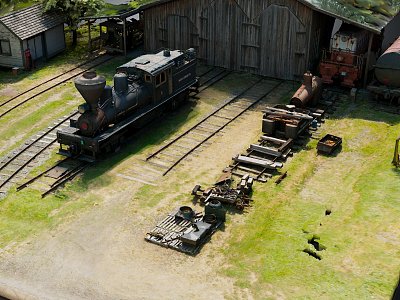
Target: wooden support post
124 35
90 36
371 36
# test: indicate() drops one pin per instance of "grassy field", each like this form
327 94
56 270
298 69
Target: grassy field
267 251
358 241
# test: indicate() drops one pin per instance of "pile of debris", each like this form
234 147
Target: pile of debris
185 230
282 125
238 197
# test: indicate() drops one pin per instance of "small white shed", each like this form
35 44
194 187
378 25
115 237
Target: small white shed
42 33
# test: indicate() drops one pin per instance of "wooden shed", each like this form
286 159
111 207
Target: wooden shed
42 33
277 38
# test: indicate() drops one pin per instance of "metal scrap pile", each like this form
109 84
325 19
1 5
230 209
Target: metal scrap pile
282 125
223 191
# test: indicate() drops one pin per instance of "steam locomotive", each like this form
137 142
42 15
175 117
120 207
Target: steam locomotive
143 88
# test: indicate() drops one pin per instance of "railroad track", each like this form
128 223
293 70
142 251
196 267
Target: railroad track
18 163
56 176
13 103
162 161
16 166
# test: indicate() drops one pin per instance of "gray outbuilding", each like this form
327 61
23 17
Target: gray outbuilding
30 28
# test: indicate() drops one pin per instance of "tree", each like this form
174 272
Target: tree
73 10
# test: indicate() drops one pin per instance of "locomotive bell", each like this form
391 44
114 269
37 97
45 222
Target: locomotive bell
90 86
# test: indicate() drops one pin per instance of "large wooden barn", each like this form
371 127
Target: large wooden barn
277 38
30 28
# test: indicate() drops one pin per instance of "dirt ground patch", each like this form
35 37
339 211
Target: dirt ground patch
101 253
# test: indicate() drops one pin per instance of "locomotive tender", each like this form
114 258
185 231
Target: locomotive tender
143 88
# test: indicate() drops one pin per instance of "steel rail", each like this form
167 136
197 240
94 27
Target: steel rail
48 80
202 121
65 179
37 140
51 87
219 129
35 155
25 184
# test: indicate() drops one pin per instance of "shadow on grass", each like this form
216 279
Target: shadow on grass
364 109
151 134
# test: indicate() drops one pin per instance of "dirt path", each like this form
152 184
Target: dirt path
101 253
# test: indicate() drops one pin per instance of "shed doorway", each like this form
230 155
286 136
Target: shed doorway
283 43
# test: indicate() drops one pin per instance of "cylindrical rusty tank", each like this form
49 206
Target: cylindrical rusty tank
387 68
309 91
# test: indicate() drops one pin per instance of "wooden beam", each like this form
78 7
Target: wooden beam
371 36
124 35
90 36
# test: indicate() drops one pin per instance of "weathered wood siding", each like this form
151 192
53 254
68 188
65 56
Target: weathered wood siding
267 37
15 60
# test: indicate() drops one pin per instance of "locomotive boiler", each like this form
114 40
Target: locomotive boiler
143 88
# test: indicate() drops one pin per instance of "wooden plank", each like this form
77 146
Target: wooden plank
265 150
257 162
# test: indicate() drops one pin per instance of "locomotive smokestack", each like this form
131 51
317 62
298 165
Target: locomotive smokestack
90 86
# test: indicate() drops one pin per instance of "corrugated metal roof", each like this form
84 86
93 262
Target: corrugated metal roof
30 21
372 15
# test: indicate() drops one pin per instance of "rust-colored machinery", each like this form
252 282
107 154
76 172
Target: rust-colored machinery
309 92
387 74
343 62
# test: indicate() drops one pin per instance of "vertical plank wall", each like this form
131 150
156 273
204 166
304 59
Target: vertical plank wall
266 37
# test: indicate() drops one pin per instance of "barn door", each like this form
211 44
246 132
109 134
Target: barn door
220 23
283 43
35 47
181 33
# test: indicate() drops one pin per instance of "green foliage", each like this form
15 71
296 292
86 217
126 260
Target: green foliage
73 10
137 3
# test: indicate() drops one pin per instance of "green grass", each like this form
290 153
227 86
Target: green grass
360 187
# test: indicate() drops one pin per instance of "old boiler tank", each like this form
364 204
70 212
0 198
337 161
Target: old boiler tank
387 68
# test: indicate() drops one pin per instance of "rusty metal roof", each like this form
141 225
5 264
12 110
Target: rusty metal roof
30 21
372 15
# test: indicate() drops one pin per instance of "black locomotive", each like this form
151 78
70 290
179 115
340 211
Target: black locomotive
143 88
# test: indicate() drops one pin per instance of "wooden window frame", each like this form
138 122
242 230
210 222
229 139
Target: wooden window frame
161 78
9 48
147 78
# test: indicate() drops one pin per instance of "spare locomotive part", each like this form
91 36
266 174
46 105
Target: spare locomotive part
285 121
195 236
184 235
258 162
309 92
185 212
214 207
